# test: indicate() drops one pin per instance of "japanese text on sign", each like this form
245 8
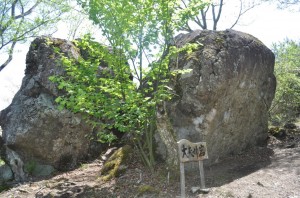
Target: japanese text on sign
189 151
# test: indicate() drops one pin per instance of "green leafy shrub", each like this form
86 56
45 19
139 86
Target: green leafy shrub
99 84
286 104
30 166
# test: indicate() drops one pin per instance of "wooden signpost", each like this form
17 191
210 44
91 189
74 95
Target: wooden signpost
189 152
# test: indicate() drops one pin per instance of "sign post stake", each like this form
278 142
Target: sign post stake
202 180
189 152
182 180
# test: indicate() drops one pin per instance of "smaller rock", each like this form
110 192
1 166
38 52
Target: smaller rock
108 153
16 165
293 145
6 173
260 184
42 170
281 134
290 126
195 189
199 190
273 141
204 190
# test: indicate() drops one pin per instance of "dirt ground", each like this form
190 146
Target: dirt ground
266 172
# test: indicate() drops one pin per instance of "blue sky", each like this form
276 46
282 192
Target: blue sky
265 22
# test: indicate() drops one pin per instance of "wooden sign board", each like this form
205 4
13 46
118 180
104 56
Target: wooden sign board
189 151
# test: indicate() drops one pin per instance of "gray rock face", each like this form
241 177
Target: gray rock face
32 125
224 100
6 173
42 170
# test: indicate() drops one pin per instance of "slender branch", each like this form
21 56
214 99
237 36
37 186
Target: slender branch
19 38
10 56
4 11
198 21
23 14
203 16
146 56
220 10
182 1
23 35
135 70
242 12
13 18
187 28
141 53
14 41
216 18
2 40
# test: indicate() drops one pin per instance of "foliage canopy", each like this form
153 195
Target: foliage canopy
139 33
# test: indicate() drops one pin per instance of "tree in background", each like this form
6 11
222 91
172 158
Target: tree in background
77 24
209 17
282 4
286 105
24 19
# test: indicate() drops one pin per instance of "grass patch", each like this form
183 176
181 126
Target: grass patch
146 189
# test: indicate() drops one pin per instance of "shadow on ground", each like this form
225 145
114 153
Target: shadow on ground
77 191
233 168
287 159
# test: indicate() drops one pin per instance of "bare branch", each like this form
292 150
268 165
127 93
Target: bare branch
198 21
203 16
214 17
239 16
220 10
187 27
23 14
182 1
242 12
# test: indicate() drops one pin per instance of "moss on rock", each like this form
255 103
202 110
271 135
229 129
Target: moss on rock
116 164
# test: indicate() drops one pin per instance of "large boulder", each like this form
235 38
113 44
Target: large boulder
32 124
224 100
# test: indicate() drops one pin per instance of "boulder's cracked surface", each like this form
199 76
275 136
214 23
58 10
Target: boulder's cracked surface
224 100
32 124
